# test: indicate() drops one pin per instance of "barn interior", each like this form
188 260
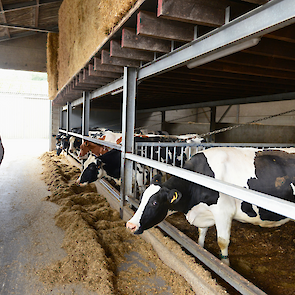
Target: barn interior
246 83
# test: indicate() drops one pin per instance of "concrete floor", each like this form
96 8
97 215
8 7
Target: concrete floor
27 224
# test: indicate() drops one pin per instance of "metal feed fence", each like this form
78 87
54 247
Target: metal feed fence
176 153
143 155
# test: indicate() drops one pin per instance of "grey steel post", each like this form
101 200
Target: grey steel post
85 113
61 118
128 123
163 121
69 116
213 123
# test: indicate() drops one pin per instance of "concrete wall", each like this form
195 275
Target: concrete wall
26 54
54 125
280 129
98 118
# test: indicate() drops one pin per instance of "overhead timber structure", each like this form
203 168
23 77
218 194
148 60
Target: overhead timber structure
174 54
23 33
20 19
207 54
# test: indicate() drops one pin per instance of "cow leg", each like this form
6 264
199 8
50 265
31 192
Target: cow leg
202 235
223 226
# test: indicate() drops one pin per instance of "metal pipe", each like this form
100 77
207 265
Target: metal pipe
85 113
265 201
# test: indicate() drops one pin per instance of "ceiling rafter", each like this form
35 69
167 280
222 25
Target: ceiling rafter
4 18
25 5
27 28
37 9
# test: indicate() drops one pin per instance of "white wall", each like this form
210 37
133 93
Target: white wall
22 117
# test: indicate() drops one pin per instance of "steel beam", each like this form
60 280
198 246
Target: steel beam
85 113
265 19
107 89
128 122
69 116
265 201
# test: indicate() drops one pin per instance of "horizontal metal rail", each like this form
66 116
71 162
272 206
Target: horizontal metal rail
94 140
222 270
111 87
265 201
207 145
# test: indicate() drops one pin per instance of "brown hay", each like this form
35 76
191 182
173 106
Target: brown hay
83 26
97 242
52 57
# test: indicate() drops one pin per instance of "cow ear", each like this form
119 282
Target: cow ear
174 196
98 162
157 179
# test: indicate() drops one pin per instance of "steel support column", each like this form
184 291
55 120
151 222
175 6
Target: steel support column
212 123
85 113
128 123
61 121
69 116
163 121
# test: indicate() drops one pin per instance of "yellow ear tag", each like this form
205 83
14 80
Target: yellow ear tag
174 198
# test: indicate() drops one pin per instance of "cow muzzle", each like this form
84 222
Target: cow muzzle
131 226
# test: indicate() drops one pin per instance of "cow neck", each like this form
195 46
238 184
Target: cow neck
185 187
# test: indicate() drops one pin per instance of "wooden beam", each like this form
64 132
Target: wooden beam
133 41
149 25
117 51
93 73
29 4
117 61
218 72
79 84
218 78
285 34
202 12
37 14
3 19
200 82
249 70
17 27
106 68
265 62
95 79
274 49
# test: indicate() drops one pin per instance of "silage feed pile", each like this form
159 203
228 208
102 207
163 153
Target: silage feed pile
97 242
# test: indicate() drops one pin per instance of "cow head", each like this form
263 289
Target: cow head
90 171
154 206
84 149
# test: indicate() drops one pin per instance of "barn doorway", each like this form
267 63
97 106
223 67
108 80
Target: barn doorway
24 105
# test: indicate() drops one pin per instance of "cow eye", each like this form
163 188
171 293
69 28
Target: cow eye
154 203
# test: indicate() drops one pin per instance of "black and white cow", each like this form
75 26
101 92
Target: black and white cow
107 165
74 144
268 171
62 143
